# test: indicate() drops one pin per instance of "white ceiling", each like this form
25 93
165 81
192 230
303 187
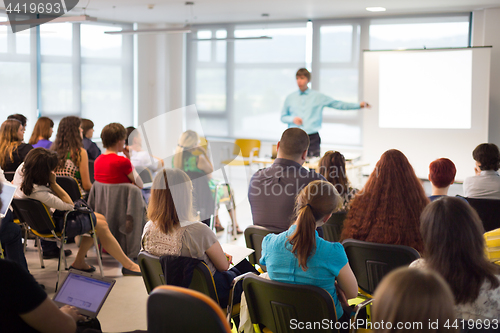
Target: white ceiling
213 11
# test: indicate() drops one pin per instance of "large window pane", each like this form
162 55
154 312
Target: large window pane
287 45
57 88
340 83
97 44
259 95
3 35
336 43
15 91
102 98
387 35
211 89
56 39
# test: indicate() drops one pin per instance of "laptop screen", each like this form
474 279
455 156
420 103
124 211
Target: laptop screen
85 292
8 191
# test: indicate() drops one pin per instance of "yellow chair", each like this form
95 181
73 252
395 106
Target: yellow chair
248 148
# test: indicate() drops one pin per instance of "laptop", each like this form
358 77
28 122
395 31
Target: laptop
8 191
85 291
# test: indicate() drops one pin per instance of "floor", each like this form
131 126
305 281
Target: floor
125 308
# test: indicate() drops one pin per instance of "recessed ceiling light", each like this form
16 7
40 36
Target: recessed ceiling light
375 9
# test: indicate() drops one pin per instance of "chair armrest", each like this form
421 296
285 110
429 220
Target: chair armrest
231 295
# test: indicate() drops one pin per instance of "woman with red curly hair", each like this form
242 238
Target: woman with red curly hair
388 208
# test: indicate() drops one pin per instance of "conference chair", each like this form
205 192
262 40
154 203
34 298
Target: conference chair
254 235
248 149
332 229
39 219
202 280
176 309
275 304
145 174
70 186
91 171
203 199
370 262
488 210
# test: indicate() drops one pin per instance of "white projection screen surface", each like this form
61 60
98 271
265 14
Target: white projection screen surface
428 104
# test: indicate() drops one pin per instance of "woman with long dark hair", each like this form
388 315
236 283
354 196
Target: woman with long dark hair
454 247
41 133
73 158
332 167
36 180
12 149
387 210
300 256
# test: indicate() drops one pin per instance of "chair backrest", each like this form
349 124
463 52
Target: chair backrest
91 171
70 185
176 309
254 235
370 262
145 174
35 214
275 304
488 210
333 227
151 270
153 276
246 146
203 199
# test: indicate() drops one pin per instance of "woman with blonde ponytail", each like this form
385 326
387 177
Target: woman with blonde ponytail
300 256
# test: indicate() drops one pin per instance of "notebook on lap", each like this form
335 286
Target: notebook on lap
86 291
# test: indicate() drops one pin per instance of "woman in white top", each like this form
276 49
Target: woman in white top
138 156
454 247
173 230
36 180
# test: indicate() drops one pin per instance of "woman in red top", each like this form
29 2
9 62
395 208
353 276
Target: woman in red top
110 168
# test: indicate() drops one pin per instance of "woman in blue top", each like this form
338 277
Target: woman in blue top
300 256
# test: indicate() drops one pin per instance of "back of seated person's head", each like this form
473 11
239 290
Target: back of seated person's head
392 197
86 125
131 134
188 140
43 128
332 167
38 165
9 140
19 117
316 201
454 247
113 133
415 298
442 172
488 156
293 143
68 140
171 199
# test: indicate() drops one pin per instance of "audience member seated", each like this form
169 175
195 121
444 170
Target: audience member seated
73 159
455 248
486 183
25 306
32 178
110 168
10 235
19 117
300 256
12 149
192 158
173 230
441 175
41 133
388 208
332 167
273 190
88 132
414 298
138 156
